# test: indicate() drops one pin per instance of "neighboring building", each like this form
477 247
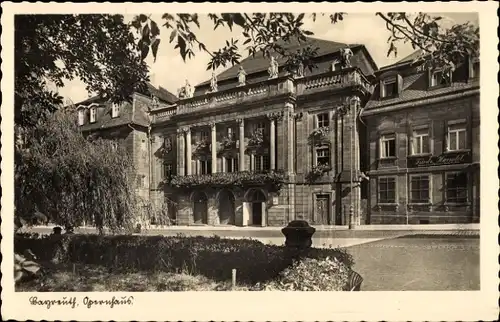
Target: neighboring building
128 124
423 144
259 146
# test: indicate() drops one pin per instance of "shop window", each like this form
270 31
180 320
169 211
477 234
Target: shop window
419 189
386 190
456 187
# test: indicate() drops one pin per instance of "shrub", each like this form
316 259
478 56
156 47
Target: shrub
311 274
25 268
212 257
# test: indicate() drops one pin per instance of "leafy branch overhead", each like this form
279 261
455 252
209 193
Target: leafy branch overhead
267 33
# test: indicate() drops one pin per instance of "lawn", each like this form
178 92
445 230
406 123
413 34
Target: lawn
419 264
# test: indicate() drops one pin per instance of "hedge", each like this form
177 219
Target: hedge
212 257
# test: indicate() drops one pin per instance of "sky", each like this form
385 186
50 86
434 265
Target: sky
170 71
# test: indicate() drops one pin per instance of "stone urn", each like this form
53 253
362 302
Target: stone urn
298 234
57 230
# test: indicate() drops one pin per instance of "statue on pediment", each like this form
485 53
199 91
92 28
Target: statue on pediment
213 83
273 68
242 76
300 70
155 102
186 91
346 54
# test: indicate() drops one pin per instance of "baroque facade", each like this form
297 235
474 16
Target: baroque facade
262 145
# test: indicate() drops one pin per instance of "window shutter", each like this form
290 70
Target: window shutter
411 139
379 146
429 77
445 139
381 88
431 137
315 121
399 80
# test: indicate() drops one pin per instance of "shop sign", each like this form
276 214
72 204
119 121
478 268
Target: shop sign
449 158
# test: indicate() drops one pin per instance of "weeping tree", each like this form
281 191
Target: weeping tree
72 179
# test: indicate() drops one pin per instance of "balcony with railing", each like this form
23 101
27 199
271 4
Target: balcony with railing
238 95
164 114
274 180
334 80
267 89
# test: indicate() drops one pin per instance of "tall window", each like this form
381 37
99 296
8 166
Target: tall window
456 187
93 114
457 137
81 117
168 170
204 136
419 189
387 190
388 146
389 87
323 156
114 110
421 141
206 167
262 163
260 126
230 132
323 120
232 165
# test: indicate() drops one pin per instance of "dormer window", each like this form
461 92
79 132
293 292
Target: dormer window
389 87
81 117
93 114
439 78
115 108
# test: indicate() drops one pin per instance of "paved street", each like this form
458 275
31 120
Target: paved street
418 264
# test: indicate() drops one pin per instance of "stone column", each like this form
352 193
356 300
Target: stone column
180 152
214 147
242 144
272 148
188 152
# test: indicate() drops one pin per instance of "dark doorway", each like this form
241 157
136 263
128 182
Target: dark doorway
257 213
200 208
258 200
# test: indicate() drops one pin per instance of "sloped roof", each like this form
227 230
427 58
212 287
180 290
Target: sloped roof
162 93
404 61
415 88
260 63
127 113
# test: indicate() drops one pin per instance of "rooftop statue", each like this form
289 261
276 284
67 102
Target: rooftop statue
346 54
300 70
185 91
241 76
273 68
213 83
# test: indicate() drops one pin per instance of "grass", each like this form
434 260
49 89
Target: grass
89 278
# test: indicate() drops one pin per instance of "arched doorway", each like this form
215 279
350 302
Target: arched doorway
226 207
200 207
257 200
